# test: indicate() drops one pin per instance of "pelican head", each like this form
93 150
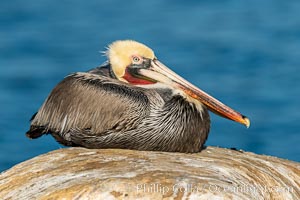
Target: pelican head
135 63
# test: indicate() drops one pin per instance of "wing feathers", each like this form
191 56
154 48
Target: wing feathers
85 101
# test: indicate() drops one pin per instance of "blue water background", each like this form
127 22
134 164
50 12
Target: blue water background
245 53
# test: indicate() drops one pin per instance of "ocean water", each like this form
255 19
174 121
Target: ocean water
244 53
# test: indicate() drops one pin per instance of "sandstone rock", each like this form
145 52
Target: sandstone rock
215 173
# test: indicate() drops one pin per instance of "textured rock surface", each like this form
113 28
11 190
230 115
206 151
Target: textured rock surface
215 173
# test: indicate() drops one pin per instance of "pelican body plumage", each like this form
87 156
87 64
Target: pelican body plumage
132 101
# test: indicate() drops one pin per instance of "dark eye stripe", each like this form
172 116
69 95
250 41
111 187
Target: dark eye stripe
136 63
147 62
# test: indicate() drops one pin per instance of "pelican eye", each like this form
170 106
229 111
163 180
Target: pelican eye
136 60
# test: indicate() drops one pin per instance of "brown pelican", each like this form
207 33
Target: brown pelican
132 101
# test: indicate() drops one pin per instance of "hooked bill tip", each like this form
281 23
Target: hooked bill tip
246 121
